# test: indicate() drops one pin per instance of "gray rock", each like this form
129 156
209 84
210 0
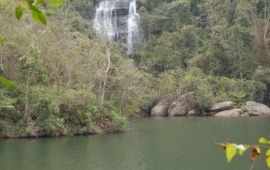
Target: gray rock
230 113
161 108
259 109
227 105
193 112
244 114
182 106
250 113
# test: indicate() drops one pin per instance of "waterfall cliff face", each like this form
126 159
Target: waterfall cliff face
118 20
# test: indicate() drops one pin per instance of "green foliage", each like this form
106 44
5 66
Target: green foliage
19 11
8 110
119 120
238 97
39 17
195 82
56 3
53 126
219 38
44 108
35 7
84 7
262 84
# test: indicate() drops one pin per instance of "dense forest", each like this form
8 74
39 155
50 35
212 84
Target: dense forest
65 84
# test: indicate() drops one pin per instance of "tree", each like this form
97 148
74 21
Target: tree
258 14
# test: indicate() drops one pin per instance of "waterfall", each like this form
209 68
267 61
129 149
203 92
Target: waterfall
133 29
118 20
104 22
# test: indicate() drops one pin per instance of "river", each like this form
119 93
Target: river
182 143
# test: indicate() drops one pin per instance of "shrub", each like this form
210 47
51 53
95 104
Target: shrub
53 126
44 108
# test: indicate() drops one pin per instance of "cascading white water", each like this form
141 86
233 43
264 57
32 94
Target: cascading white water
118 20
104 22
133 29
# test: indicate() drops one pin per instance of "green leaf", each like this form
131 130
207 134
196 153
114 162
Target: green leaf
42 18
39 17
35 16
33 8
56 3
19 11
264 141
6 82
49 11
38 2
230 152
2 40
268 158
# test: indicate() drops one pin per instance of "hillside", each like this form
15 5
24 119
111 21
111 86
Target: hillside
70 81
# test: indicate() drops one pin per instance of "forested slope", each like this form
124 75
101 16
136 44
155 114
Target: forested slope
223 45
217 49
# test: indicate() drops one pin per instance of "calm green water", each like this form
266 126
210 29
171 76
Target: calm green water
149 144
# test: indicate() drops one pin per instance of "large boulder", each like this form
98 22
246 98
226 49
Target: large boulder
227 105
194 112
160 109
182 106
257 109
229 113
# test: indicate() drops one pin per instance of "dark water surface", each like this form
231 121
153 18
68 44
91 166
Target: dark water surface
149 144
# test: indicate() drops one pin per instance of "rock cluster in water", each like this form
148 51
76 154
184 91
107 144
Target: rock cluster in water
184 107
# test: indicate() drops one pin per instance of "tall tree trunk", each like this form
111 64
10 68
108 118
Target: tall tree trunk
105 78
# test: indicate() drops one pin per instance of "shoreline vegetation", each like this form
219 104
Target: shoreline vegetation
69 81
57 113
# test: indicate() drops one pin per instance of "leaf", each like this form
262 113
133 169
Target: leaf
42 18
264 141
268 158
49 11
56 3
223 145
230 152
19 11
2 40
6 82
39 17
35 16
255 153
33 8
